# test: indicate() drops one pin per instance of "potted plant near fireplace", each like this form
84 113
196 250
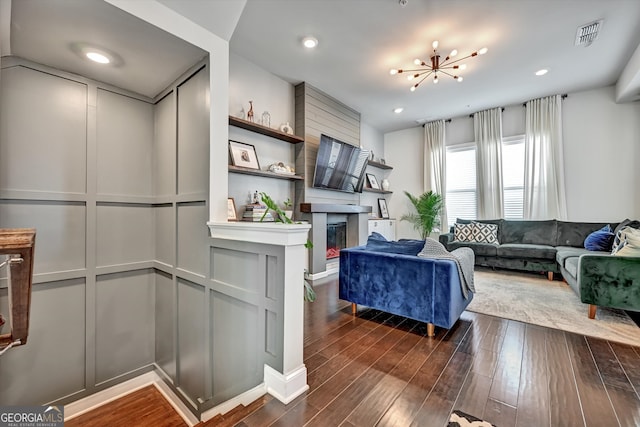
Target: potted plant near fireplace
309 293
427 217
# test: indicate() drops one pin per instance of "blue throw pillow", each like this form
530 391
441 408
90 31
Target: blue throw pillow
377 243
600 240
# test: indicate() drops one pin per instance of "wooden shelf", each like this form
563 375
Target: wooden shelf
266 174
263 130
378 165
373 190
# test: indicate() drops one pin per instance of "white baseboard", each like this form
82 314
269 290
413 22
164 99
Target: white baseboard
244 399
177 404
285 388
89 403
331 269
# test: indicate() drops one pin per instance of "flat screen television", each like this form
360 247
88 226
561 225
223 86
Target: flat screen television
339 166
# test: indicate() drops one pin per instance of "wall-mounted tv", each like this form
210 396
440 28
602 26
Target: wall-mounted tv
339 166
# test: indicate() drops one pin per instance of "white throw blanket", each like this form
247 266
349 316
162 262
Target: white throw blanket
463 257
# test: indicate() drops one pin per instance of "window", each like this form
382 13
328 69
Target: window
461 180
513 176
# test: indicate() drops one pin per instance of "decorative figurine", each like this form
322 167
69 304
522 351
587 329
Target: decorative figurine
266 119
286 128
250 112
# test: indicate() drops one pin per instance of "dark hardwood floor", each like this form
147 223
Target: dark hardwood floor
377 369
382 370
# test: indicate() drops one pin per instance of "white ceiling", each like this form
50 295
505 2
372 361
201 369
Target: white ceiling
360 40
49 32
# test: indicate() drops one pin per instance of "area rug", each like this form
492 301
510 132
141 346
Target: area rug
460 419
531 298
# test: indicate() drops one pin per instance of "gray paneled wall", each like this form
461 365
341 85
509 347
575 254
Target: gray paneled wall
317 113
247 302
119 199
75 164
52 364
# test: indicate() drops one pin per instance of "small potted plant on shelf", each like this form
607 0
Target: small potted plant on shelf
288 208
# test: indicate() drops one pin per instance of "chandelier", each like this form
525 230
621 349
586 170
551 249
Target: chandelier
448 66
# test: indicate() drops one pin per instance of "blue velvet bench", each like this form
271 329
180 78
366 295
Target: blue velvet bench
427 290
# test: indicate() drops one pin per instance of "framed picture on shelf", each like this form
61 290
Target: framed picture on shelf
231 210
384 211
243 155
373 182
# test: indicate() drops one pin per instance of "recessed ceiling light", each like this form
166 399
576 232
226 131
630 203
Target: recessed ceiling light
398 110
97 57
310 42
98 54
542 72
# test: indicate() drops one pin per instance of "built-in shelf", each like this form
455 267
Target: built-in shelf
378 165
267 174
264 130
375 190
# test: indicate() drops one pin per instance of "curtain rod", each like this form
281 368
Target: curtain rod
563 96
471 115
524 104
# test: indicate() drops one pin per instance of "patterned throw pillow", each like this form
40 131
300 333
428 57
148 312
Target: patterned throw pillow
485 233
463 232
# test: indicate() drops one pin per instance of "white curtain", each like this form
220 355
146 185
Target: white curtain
488 132
544 195
435 160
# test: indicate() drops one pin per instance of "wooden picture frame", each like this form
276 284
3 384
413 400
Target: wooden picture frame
232 213
384 210
373 181
243 155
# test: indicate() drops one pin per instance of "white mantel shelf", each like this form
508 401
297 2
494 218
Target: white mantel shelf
274 233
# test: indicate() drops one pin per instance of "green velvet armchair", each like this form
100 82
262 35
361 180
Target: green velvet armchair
609 281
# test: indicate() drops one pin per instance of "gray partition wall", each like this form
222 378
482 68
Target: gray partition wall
117 186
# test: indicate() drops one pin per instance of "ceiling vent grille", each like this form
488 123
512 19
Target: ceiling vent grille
588 33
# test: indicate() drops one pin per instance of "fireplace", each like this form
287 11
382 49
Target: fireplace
336 239
321 215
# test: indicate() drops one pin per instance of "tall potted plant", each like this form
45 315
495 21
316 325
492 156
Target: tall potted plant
427 217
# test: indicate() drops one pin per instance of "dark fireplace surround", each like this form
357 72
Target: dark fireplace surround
320 216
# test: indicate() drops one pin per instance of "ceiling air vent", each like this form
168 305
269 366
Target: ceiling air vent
587 33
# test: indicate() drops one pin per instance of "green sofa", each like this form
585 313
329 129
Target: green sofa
553 246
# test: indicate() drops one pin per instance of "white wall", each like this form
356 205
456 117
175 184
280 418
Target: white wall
403 151
248 82
601 152
372 139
